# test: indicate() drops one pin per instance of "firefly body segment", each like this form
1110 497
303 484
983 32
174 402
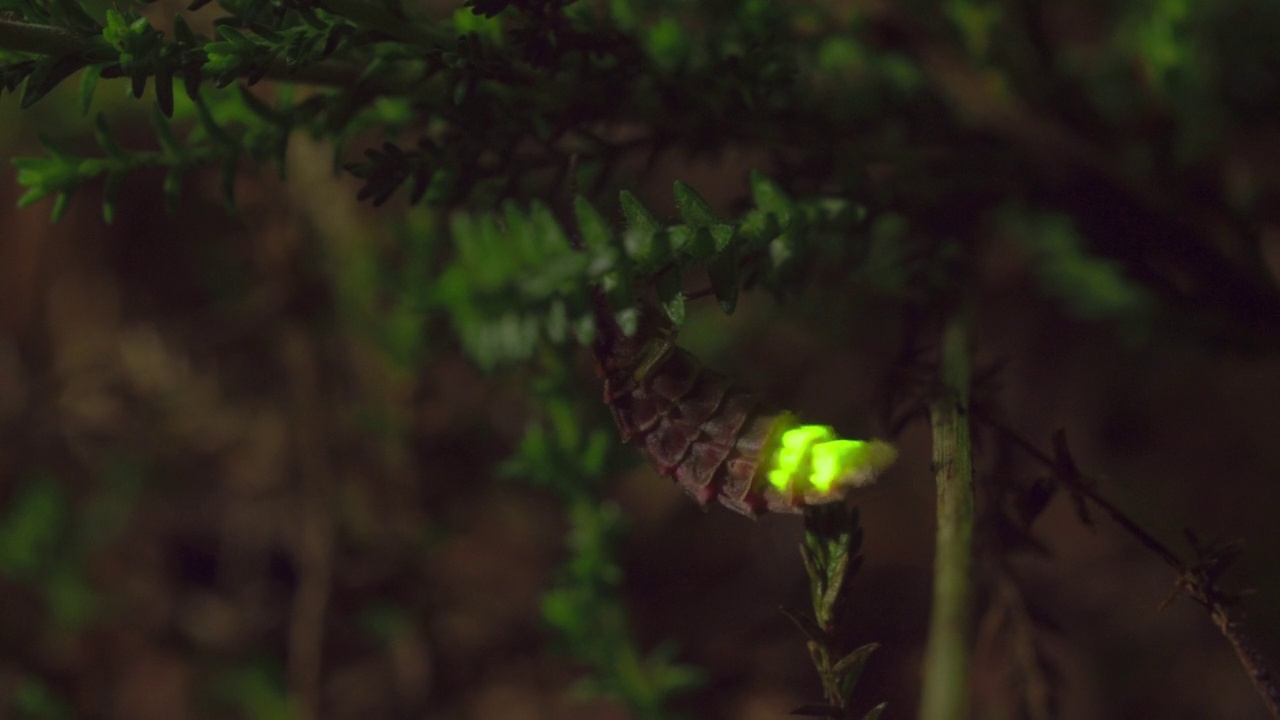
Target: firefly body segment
714 437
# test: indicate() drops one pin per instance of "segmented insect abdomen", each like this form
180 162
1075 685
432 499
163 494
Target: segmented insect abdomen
714 437
699 427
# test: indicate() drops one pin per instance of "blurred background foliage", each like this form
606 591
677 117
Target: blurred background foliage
301 461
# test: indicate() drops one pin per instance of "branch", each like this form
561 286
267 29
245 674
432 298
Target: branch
41 39
18 36
946 664
1198 581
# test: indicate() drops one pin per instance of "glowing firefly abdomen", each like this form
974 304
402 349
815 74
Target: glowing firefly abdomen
712 435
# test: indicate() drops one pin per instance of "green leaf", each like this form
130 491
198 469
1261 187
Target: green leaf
650 249
681 238
721 235
261 109
164 134
595 232
61 202
89 83
850 666
30 532
1086 285
164 90
638 217
671 294
520 233
210 124
32 195
628 320
806 624
548 233
557 322
102 133
668 43
770 198
49 71
701 243
760 227
110 192
695 244
693 209
875 712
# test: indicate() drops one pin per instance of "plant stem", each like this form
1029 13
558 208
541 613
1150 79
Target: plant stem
43 39
19 36
946 664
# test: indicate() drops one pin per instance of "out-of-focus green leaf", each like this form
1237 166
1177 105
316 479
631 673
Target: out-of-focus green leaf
33 527
693 209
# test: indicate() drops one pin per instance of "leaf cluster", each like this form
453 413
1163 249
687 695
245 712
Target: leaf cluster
260 38
831 556
566 452
522 278
232 126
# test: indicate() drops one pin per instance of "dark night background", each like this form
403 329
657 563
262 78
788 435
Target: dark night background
222 485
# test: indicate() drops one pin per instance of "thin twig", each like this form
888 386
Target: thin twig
1198 581
21 36
1082 485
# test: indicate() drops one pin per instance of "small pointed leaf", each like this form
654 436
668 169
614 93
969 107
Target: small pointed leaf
770 198
164 134
48 73
855 660
693 209
637 215
61 202
806 625
164 91
671 294
102 133
110 192
594 230
89 83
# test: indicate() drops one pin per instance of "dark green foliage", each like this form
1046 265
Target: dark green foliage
831 553
517 280
1087 286
566 453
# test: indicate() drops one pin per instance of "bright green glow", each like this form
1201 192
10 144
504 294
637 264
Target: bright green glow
791 461
830 460
812 457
